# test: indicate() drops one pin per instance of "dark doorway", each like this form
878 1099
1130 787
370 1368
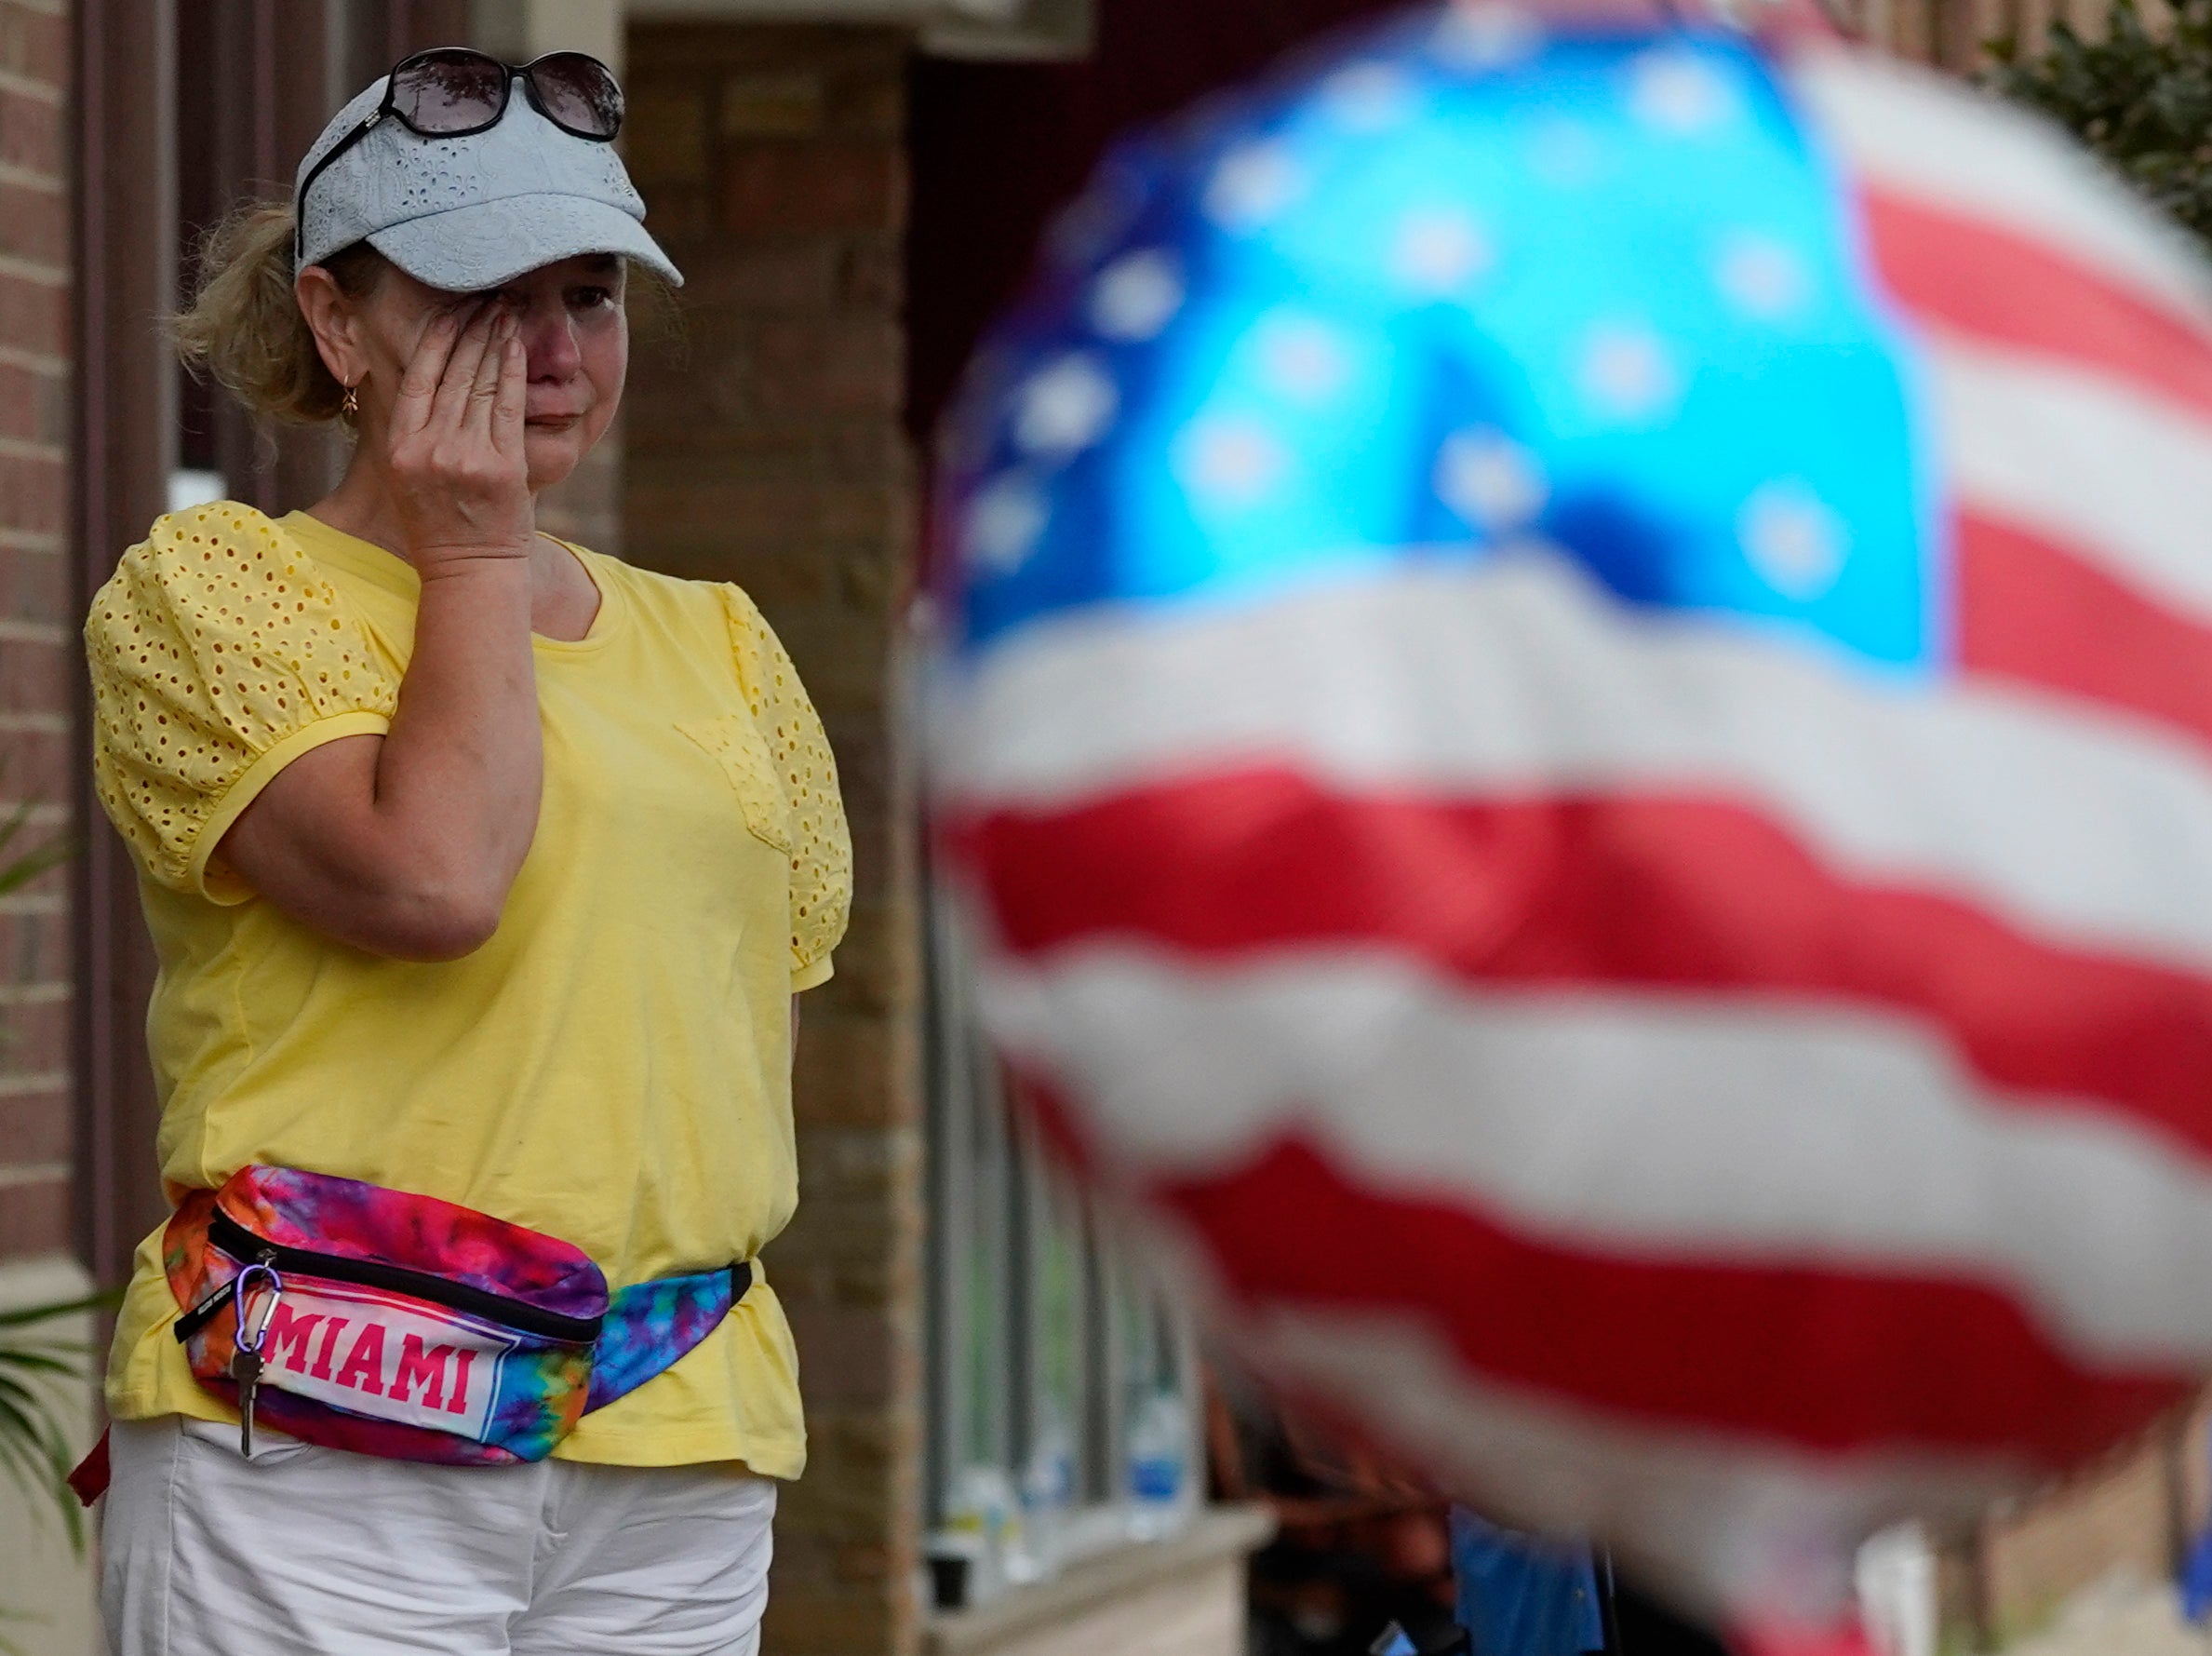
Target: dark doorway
998 147
181 108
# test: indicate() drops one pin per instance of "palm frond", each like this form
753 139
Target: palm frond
38 1464
25 1315
37 1378
50 1361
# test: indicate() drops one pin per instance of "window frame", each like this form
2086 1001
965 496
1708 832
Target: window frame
995 1197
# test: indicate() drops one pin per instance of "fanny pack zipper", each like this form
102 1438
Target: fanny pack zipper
242 1245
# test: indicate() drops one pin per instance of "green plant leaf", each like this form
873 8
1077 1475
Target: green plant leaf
25 1315
38 1377
40 1362
37 1457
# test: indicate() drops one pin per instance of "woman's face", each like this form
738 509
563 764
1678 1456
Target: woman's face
573 330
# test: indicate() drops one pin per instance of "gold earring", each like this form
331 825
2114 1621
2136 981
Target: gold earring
351 407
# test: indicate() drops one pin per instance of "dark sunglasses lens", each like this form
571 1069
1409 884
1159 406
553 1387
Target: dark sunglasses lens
449 91
579 93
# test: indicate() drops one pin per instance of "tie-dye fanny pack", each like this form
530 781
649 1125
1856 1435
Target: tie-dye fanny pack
400 1326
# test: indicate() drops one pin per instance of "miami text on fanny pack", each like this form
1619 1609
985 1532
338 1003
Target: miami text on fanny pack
396 1364
396 1324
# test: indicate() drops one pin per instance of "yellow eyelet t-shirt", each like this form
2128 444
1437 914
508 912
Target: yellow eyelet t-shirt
612 1068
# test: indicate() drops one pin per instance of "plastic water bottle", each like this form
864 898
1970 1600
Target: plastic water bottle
984 1508
1158 1466
1048 1490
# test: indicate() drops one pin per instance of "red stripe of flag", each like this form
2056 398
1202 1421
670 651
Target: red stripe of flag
2027 295
1679 892
1830 1358
2032 612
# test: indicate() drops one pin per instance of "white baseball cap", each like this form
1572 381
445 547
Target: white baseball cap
470 212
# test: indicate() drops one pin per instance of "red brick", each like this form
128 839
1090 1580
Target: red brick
56 411
34 405
846 1353
843 1070
35 765
771 104
832 1622
843 657
34 224
681 213
33 1041
34 44
794 188
36 586
801 274
34 316
665 138
839 1248
34 676
19 410
52 410
30 133
33 1219
33 493
852 364
878 967
33 948
670 441
875 274
767 514
33 1128
36 1039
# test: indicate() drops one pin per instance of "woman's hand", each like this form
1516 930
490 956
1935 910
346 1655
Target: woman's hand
459 482
405 844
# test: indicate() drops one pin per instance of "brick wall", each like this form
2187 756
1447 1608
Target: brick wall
765 447
587 507
36 639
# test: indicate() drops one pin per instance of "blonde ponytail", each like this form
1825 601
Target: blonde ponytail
244 328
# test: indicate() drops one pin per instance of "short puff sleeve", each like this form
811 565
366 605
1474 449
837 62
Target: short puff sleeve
807 772
219 654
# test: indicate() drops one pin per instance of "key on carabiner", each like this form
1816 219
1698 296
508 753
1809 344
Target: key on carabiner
245 1369
251 1330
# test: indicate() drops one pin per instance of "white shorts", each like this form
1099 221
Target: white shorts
313 1551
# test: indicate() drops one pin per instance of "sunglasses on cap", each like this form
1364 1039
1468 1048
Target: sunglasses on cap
455 91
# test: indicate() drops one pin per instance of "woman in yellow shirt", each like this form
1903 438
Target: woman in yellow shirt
482 871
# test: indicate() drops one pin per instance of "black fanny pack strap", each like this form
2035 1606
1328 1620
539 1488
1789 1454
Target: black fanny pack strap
741 1277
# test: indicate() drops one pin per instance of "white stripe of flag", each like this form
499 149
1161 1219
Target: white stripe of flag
1519 677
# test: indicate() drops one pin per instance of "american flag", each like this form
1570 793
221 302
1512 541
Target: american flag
1573 726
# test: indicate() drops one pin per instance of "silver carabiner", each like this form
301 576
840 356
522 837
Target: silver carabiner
251 1330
